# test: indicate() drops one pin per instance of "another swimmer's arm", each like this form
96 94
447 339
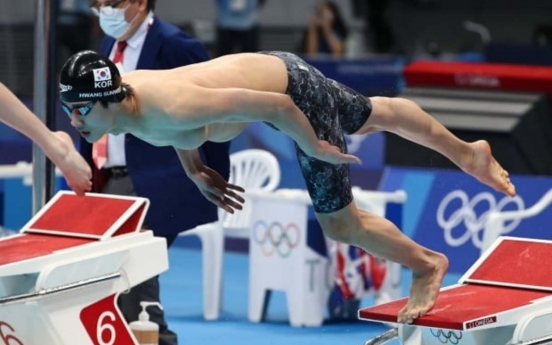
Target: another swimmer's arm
16 115
57 146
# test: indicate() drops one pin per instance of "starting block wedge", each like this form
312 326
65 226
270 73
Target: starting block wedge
61 274
504 298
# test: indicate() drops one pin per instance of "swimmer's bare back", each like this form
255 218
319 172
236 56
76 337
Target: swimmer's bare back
259 72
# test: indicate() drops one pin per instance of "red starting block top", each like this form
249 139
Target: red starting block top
510 275
460 307
517 262
68 220
95 216
30 246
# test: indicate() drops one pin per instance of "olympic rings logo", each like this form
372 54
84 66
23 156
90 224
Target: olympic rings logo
446 337
465 214
276 238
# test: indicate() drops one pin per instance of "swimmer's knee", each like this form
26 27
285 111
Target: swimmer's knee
383 116
336 229
341 225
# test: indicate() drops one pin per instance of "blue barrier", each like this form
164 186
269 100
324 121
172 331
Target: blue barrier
446 210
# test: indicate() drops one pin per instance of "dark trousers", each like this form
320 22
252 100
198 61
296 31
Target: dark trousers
237 41
129 303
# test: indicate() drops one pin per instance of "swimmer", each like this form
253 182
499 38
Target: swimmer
57 146
215 100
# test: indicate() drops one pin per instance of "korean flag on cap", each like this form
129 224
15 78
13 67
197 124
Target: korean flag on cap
102 74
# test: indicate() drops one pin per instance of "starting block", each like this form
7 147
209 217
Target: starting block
61 275
504 298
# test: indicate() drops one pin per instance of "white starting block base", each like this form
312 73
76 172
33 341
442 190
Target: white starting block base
504 298
60 277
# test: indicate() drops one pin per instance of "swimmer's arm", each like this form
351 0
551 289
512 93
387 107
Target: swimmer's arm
241 105
190 160
210 183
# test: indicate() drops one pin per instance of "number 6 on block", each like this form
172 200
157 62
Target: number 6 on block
104 323
8 339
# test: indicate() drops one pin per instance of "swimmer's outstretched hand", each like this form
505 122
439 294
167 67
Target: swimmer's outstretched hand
332 154
217 190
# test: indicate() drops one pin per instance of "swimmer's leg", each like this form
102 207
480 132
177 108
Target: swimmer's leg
330 189
406 119
329 186
382 238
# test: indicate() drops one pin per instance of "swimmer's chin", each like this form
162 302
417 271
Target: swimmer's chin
116 131
92 140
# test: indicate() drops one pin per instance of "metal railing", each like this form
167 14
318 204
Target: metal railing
394 333
384 337
58 289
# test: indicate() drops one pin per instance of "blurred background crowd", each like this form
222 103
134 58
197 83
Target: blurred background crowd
436 29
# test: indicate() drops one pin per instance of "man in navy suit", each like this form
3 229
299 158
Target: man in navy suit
136 39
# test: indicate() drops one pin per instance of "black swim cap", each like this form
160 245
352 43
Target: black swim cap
89 76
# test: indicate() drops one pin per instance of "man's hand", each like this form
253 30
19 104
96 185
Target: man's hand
76 171
217 190
332 154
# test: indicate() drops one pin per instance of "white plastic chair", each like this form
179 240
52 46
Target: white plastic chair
280 223
256 171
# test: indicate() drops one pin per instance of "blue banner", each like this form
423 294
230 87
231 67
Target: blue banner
446 210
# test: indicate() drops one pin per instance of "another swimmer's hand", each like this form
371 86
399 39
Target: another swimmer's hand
217 190
76 171
332 154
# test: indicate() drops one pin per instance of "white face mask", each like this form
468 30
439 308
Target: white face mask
112 21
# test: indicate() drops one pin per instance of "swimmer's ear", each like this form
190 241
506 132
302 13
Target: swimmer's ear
130 99
127 90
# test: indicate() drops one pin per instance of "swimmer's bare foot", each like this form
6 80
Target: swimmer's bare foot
424 289
484 167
